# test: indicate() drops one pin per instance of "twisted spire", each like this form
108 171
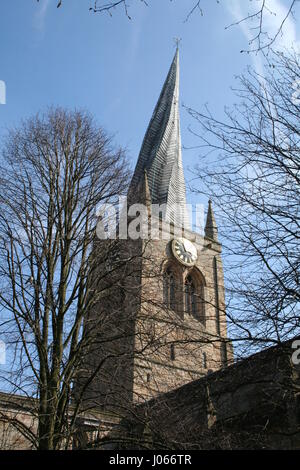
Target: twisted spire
160 154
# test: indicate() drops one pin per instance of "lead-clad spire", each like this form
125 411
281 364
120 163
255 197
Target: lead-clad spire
160 154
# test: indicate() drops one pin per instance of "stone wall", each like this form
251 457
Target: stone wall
18 426
254 404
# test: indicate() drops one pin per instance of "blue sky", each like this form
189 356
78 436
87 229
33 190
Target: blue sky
115 67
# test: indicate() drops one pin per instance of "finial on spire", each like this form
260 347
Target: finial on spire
177 42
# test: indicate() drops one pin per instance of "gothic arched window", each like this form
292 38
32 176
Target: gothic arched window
190 297
194 298
169 289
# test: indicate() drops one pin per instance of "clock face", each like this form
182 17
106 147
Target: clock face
185 251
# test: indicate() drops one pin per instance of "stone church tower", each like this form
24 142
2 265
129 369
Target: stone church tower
160 321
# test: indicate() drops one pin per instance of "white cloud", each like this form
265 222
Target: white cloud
40 15
272 23
274 13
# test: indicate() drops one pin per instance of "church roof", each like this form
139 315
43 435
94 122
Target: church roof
160 155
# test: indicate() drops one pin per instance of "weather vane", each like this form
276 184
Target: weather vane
177 42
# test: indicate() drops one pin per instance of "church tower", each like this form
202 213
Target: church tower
161 318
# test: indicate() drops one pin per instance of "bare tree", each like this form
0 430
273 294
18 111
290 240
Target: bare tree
250 165
78 312
86 321
56 169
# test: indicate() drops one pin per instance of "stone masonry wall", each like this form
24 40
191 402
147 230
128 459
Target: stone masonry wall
254 404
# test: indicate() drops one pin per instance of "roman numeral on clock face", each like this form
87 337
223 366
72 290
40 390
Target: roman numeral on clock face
184 251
